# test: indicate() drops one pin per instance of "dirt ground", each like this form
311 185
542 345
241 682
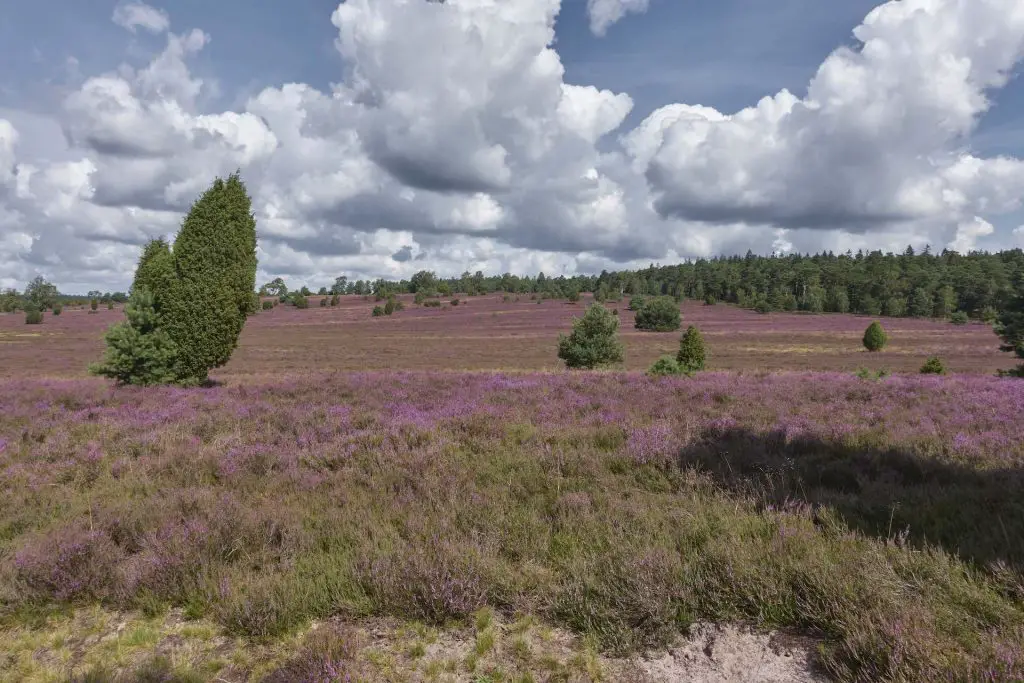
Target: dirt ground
490 333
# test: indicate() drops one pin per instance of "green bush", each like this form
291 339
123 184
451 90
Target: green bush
875 375
57 309
933 366
267 305
636 303
664 367
659 315
875 338
300 301
139 350
432 303
393 305
710 300
455 302
110 305
593 341
377 311
93 305
691 355
323 302
33 316
989 314
335 300
959 318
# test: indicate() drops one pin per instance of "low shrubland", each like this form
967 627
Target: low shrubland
620 507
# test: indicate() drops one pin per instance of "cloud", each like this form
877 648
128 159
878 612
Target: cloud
968 232
604 13
878 139
133 15
452 141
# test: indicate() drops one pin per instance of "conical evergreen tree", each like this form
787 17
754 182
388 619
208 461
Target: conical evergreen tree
138 351
215 274
155 272
593 341
691 351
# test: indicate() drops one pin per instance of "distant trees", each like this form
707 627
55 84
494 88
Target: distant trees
660 314
339 286
41 293
275 287
190 301
1010 327
875 338
593 341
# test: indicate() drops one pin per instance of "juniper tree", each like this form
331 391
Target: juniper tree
691 355
875 338
139 350
214 257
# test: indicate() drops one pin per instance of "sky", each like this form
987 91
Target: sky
382 137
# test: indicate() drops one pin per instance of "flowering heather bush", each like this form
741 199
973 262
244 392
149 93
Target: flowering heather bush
613 504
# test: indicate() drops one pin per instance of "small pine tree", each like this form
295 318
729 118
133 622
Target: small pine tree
139 351
659 315
664 367
691 355
636 303
933 366
33 315
875 338
593 341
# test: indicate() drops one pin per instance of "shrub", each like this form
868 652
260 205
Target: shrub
110 305
335 300
267 305
573 295
378 311
57 309
300 301
455 302
933 366
93 305
393 305
636 303
710 300
664 367
875 338
691 351
33 316
214 259
959 318
139 350
323 302
867 373
659 315
432 303
615 312
989 314
593 341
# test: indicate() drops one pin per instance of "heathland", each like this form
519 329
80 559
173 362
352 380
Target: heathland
430 496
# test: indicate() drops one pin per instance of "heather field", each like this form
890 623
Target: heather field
330 510
488 333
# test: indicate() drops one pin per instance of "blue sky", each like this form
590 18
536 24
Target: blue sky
725 56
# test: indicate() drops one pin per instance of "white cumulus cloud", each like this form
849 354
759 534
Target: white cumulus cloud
133 15
604 13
